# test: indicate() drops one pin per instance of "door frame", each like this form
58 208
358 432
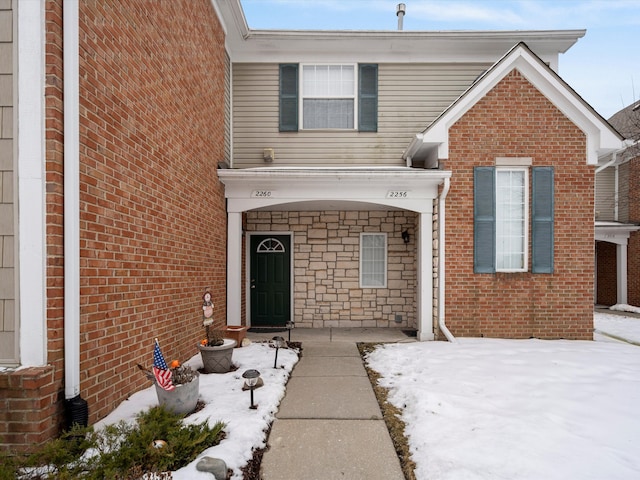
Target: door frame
247 273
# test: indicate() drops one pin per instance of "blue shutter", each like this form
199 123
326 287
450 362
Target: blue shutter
368 98
542 220
289 97
484 220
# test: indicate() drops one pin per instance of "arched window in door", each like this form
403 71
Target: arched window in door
270 245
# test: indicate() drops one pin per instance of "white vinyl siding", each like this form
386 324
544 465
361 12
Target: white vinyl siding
605 194
410 97
373 260
612 194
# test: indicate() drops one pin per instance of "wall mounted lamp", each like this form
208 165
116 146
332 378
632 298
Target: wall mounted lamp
405 236
268 154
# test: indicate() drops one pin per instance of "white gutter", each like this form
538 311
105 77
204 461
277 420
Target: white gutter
441 243
71 199
610 162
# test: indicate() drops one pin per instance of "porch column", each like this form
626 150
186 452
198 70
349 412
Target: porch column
424 299
621 274
234 268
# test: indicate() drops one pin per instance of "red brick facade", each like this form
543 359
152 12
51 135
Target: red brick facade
515 120
152 218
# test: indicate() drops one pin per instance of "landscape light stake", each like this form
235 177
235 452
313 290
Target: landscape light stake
278 342
251 377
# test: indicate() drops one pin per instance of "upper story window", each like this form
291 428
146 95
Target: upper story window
328 96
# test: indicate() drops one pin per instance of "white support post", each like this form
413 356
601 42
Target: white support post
424 300
621 274
234 268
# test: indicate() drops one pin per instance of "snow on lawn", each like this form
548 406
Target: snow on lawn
517 409
618 326
226 402
475 409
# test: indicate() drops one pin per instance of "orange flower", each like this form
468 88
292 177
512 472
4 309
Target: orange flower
175 364
203 342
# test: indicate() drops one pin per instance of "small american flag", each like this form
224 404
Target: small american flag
160 370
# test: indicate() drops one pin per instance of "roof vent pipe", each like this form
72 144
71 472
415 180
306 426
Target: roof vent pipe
401 9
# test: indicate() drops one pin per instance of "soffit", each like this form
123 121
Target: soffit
383 46
357 188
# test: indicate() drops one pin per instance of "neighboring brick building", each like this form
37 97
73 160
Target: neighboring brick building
618 216
151 87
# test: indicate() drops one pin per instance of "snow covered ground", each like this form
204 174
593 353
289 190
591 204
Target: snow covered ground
520 409
226 402
475 409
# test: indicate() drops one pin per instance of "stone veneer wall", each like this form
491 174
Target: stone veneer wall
326 249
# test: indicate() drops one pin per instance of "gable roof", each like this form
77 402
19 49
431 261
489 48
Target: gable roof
432 144
627 121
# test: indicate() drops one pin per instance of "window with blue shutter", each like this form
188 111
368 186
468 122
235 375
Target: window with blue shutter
368 97
542 220
484 221
289 97
507 246
327 95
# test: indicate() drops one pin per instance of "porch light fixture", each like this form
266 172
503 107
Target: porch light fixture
251 377
268 154
405 236
279 343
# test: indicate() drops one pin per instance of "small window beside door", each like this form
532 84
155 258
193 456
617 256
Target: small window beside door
373 260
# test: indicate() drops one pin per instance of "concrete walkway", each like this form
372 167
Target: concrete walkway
329 425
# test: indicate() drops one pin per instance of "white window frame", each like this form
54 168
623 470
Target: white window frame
525 220
385 270
354 95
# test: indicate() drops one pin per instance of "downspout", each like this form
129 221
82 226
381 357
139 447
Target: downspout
76 407
441 243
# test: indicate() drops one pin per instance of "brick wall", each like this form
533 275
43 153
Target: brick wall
152 219
515 120
326 267
153 224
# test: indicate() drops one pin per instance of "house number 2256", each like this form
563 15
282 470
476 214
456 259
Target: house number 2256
397 194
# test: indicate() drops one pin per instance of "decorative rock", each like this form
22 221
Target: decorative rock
215 466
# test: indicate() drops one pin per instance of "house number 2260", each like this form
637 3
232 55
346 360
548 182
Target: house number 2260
261 193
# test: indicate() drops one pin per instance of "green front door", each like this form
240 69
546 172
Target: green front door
270 280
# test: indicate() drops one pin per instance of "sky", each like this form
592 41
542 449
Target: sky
603 67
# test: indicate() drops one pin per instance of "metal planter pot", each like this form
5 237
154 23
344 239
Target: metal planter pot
182 399
217 359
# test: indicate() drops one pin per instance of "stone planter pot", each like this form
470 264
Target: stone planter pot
182 399
237 334
217 359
